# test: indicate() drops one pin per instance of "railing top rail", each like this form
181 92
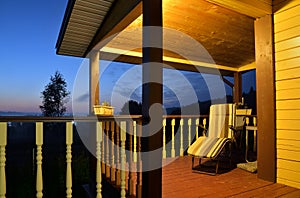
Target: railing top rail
185 116
67 118
85 118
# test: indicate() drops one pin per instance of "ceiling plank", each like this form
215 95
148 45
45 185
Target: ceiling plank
252 8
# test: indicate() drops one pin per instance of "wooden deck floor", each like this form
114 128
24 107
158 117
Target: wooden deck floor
180 181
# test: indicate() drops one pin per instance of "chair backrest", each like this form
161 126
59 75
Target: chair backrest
221 116
240 117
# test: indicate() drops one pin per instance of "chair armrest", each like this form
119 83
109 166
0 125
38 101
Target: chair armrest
233 128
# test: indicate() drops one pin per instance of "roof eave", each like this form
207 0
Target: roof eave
64 24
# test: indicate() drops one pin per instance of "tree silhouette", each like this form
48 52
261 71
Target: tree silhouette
55 96
132 107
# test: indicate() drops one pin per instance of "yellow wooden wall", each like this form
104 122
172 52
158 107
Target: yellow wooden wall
287 76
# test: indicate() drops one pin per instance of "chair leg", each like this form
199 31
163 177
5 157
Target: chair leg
230 154
217 166
192 162
199 162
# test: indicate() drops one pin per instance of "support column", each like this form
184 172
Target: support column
94 81
237 88
265 80
152 99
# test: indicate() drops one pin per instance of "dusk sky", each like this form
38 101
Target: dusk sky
29 31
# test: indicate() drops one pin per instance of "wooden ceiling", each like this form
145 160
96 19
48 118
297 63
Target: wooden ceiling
227 35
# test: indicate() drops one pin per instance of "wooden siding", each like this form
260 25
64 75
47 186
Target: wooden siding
287 76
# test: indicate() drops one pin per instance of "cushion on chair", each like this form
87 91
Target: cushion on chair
221 116
207 146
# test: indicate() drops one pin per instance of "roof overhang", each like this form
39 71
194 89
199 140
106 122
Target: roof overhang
227 34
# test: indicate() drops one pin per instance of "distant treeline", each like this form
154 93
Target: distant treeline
201 107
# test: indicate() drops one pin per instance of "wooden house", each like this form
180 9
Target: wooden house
239 35
235 36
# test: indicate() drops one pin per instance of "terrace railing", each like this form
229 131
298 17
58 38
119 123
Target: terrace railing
113 136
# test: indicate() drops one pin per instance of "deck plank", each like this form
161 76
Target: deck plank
180 181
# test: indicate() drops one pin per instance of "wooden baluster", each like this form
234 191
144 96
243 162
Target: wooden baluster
173 139
247 140
135 154
139 162
204 126
118 172
39 143
197 128
69 142
134 142
103 149
247 121
107 169
98 155
254 134
131 183
3 142
113 166
190 129
123 159
181 137
164 154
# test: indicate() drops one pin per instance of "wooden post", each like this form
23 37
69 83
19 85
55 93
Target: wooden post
3 142
204 126
118 172
265 80
152 94
173 138
181 137
69 142
254 135
139 161
134 142
94 80
197 128
164 154
131 181
103 149
98 164
39 143
107 163
237 89
123 159
190 130
113 166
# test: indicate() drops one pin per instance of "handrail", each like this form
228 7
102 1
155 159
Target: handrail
66 118
85 118
185 116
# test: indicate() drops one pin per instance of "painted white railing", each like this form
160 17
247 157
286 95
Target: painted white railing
3 142
111 135
183 130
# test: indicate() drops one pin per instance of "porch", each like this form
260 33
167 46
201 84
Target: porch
179 181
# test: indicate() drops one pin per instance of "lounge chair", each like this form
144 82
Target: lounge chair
219 134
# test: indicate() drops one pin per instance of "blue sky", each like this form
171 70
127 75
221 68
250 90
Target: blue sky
29 30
